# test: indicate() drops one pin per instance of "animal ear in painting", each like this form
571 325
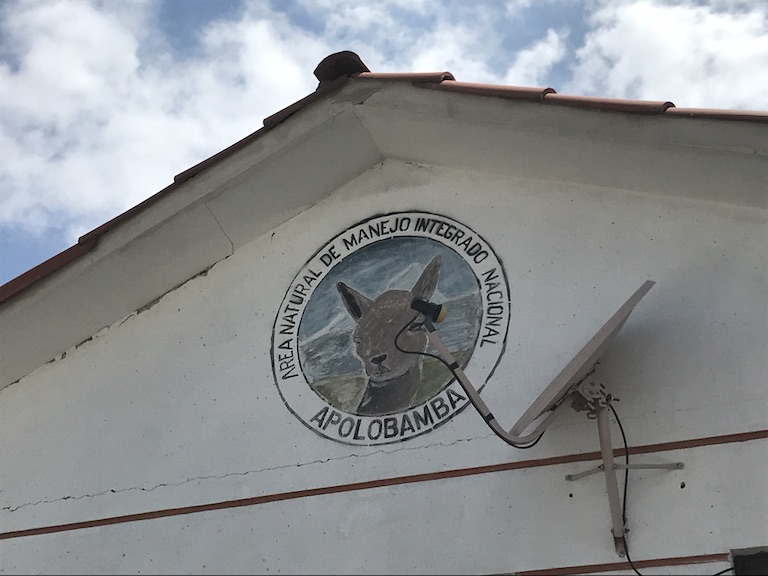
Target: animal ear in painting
427 282
356 304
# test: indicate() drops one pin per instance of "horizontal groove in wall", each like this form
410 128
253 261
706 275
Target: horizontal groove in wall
613 567
384 482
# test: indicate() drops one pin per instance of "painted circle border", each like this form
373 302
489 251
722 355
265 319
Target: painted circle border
347 428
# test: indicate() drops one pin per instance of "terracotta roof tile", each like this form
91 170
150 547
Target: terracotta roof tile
612 104
515 92
426 77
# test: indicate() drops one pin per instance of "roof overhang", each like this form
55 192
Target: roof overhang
306 152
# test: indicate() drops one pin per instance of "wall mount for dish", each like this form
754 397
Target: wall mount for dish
577 382
593 398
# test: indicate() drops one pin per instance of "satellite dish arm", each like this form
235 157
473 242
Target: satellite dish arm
477 401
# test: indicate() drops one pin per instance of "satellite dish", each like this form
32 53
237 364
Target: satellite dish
576 381
571 378
582 364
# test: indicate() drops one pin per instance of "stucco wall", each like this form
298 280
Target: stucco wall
177 405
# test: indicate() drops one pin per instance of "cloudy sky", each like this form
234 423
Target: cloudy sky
102 102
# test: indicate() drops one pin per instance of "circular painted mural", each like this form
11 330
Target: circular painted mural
348 358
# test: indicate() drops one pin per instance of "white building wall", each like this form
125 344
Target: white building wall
176 406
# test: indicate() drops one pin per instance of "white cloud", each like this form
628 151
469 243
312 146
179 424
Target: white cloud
532 65
358 18
416 35
693 54
97 112
89 128
516 6
462 49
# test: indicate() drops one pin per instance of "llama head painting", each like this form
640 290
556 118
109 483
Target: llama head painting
393 375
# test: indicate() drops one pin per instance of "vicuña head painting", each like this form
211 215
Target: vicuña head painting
347 337
393 369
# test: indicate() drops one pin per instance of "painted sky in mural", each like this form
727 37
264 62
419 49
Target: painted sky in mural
386 265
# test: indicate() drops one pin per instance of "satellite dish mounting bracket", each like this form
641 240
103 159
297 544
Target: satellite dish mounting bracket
592 393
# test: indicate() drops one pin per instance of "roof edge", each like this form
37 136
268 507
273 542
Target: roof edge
550 96
424 77
45 269
546 95
94 234
323 89
191 172
720 114
334 72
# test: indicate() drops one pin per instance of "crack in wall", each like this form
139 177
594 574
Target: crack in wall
232 474
105 329
231 244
